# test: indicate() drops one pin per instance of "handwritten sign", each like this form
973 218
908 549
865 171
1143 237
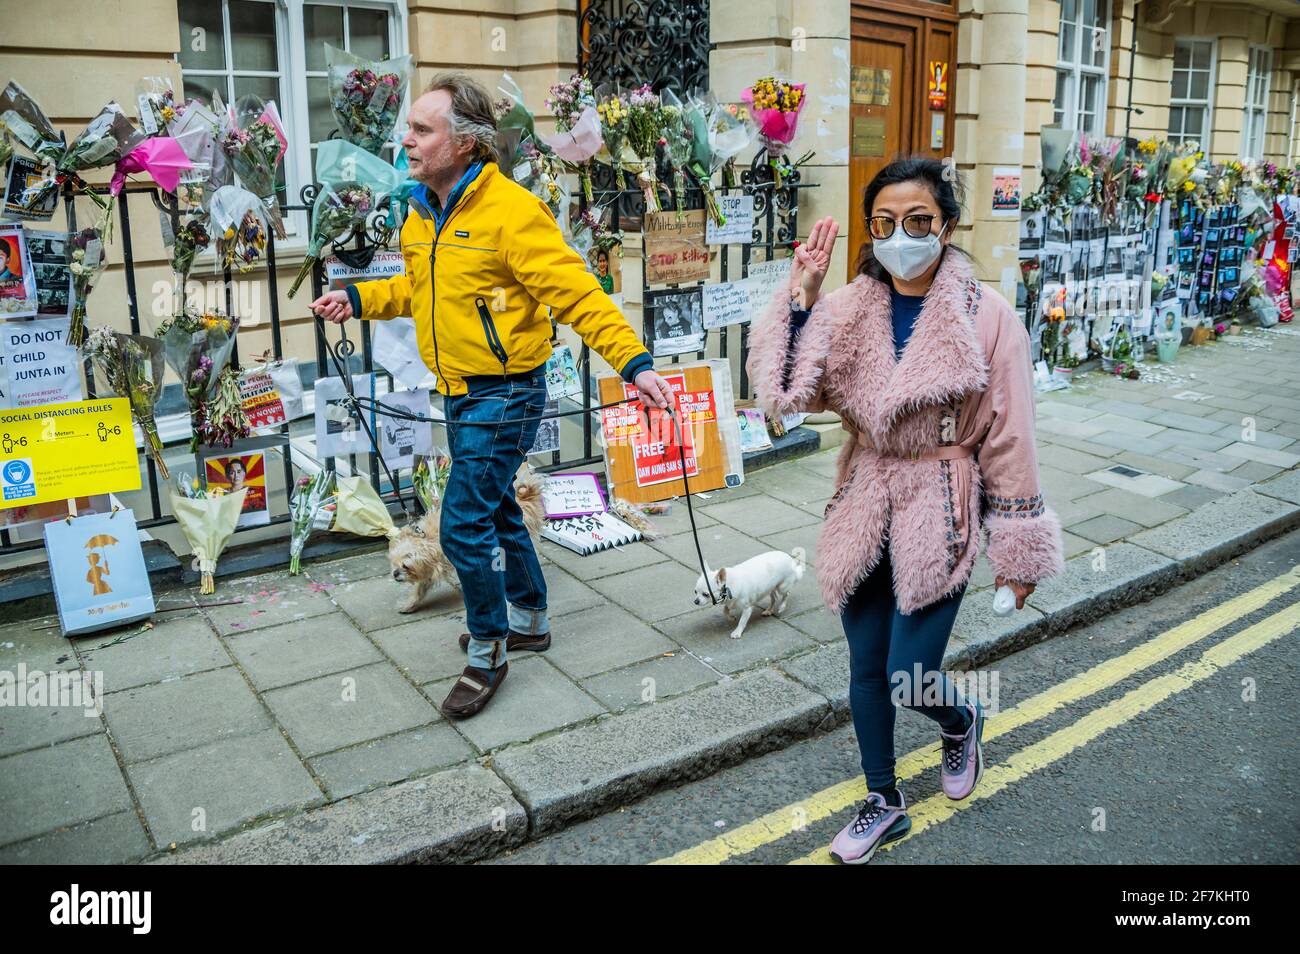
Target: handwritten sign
727 304
675 250
738 210
766 279
572 495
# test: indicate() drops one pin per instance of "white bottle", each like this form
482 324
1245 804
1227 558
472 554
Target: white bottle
1004 601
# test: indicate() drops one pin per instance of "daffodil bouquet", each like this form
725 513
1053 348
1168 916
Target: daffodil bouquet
198 347
614 119
339 209
131 366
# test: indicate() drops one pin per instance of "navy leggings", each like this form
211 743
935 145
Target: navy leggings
885 647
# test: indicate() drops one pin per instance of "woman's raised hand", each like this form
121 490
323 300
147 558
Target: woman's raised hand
812 259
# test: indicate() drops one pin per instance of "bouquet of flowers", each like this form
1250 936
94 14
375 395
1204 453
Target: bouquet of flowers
612 110
731 133
578 125
311 508
701 164
237 223
132 367
253 142
86 262
429 480
776 105
679 144
339 209
645 135
190 239
208 519
105 141
366 96
198 348
360 511
156 101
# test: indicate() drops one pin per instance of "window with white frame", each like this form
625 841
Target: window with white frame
1189 91
1255 122
1083 49
275 49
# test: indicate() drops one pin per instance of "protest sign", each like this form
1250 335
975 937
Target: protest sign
384 265
271 394
572 495
37 365
674 250
58 451
738 210
728 303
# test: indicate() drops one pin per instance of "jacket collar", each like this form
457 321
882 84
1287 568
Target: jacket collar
943 359
426 203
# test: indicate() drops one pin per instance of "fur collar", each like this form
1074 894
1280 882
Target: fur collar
943 359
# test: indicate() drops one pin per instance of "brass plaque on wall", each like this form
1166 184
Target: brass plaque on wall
869 86
868 136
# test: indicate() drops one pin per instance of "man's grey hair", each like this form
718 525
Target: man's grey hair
471 115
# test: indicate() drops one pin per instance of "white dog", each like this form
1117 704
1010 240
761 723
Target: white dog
767 577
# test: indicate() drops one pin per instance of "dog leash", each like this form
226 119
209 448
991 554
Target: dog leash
344 349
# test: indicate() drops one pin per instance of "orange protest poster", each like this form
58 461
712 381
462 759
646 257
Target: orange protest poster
644 451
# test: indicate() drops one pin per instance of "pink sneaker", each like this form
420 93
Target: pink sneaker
877 824
962 762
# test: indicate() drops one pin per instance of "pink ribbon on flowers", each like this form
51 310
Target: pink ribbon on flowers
162 157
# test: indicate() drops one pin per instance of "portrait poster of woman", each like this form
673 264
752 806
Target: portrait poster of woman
234 472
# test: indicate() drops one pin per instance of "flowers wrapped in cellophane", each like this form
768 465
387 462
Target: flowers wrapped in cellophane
86 262
578 136
612 110
208 519
679 144
700 163
515 123
104 142
776 105
366 96
311 508
198 348
188 241
731 133
352 183
253 141
157 106
360 511
429 480
237 223
131 366
645 136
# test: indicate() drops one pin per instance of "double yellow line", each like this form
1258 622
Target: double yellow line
780 823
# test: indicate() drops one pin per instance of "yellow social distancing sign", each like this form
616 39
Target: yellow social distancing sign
58 451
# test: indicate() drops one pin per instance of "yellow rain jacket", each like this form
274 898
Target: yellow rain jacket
478 277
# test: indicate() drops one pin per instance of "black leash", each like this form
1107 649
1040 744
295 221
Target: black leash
344 349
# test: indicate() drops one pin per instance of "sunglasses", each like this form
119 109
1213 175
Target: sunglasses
917 226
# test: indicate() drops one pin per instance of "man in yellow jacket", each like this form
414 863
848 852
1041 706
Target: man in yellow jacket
484 258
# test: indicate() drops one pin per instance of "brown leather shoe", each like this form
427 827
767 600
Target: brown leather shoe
472 691
515 642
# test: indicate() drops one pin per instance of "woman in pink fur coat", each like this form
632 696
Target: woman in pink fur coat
930 373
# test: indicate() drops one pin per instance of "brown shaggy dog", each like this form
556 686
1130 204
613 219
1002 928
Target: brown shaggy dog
416 555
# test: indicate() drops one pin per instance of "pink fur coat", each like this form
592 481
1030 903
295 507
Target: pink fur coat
962 392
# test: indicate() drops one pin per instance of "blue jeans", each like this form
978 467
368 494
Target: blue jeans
481 526
888 650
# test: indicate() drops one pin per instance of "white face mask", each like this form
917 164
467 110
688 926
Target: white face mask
905 257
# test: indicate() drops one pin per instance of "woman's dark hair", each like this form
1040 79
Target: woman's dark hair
943 184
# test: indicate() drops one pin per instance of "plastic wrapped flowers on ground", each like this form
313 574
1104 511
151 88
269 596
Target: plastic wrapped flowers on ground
199 348
366 96
208 519
237 223
776 105
131 366
429 480
360 511
311 508
253 141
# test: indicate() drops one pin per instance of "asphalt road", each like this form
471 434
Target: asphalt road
1181 749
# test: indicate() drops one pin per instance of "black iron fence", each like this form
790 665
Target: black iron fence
776 213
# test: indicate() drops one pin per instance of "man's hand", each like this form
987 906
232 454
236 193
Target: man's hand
1022 590
654 390
333 306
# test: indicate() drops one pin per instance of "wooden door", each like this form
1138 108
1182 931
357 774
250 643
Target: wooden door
895 109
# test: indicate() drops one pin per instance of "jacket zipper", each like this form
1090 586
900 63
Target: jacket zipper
490 332
433 284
